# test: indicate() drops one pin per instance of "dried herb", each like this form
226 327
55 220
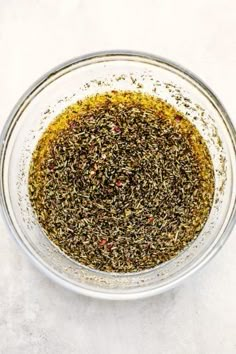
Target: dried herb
121 182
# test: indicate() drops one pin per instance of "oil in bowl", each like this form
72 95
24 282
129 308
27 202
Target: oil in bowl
121 181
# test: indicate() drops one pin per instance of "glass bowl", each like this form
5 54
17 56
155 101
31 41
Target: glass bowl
98 73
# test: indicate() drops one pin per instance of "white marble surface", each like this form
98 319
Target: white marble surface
38 316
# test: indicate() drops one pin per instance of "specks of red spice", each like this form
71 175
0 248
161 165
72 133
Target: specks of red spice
102 242
178 118
73 124
117 129
109 246
150 219
119 183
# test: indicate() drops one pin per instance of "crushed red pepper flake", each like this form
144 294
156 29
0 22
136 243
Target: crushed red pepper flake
119 183
117 129
178 118
150 219
102 242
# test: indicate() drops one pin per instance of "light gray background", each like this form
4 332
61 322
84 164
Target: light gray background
38 316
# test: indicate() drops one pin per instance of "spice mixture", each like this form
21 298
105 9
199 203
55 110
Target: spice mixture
121 182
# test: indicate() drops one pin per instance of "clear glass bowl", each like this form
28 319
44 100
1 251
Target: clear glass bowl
88 75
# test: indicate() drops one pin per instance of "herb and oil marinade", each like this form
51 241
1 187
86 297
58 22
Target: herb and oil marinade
121 182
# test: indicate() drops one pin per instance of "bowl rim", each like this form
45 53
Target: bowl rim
104 56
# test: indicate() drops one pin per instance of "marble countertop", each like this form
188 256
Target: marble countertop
39 316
